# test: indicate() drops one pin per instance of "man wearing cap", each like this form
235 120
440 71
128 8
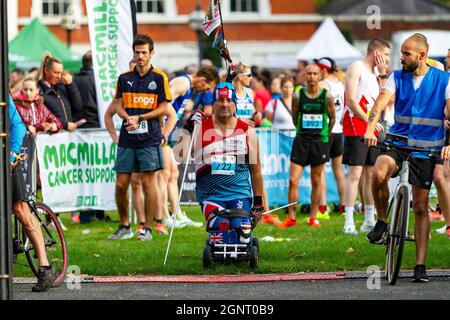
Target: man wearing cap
313 116
335 146
227 163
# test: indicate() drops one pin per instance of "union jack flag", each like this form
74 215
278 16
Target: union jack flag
216 237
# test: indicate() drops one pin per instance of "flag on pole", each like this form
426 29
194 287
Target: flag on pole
218 37
210 25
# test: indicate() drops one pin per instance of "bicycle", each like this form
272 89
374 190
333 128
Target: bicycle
399 207
54 241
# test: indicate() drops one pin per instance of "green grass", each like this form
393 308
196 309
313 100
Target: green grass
309 250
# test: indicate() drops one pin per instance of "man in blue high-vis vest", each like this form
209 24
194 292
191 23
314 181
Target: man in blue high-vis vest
422 102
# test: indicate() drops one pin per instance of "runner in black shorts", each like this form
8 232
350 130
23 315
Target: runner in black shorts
313 115
356 153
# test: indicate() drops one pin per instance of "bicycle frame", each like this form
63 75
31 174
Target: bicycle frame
404 181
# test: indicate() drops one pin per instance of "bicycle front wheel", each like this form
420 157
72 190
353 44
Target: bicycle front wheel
396 237
55 244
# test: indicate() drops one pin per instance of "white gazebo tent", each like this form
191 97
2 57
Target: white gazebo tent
327 41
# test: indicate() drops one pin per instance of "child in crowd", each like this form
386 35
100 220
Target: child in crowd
35 115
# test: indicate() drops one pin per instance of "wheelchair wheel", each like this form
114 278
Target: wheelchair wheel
207 257
255 242
253 257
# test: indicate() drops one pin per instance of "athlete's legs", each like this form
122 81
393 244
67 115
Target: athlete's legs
350 191
294 180
323 189
32 230
384 169
316 176
152 195
443 190
422 223
137 196
338 170
122 182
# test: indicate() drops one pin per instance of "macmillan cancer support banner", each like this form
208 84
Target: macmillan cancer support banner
112 26
76 170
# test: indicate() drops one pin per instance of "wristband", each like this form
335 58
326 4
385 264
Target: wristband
257 201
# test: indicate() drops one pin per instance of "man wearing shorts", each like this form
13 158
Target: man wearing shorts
332 83
422 100
46 272
313 116
141 99
362 87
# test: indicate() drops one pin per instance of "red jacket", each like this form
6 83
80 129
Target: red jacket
35 113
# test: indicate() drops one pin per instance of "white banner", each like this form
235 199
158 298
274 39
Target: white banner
76 170
111 33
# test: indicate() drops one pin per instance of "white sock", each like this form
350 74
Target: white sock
369 214
349 216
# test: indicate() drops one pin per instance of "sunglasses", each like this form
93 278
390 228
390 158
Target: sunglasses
247 74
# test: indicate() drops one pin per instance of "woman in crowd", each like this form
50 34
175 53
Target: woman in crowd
279 111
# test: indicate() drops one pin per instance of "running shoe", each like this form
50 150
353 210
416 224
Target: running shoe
186 220
145 235
436 216
367 226
161 229
139 228
350 229
288 222
323 215
442 230
270 219
46 277
420 273
75 218
376 235
178 224
313 222
122 233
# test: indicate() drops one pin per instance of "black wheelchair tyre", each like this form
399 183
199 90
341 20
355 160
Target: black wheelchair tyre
255 242
396 240
207 257
55 243
253 257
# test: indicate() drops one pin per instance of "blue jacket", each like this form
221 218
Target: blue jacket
419 114
16 127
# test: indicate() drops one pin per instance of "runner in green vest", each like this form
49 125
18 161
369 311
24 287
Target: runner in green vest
313 115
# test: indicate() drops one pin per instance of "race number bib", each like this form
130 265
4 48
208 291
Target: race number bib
244 111
312 121
223 164
143 128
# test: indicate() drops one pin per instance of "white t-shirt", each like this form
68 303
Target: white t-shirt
390 85
282 119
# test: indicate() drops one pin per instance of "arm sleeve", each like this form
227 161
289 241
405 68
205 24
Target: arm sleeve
390 84
163 90
73 94
50 117
16 126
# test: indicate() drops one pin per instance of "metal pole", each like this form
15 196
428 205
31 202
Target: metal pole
200 47
6 279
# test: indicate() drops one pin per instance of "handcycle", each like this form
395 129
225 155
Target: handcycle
54 241
398 211
226 244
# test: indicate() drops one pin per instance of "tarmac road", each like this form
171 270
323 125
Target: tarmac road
346 289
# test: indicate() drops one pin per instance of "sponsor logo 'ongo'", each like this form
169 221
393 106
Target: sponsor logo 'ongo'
140 100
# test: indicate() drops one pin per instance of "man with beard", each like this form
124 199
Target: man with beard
422 101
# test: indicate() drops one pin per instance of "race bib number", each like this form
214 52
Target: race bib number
223 164
143 128
312 121
244 111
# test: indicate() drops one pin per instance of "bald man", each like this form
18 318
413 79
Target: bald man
313 115
419 115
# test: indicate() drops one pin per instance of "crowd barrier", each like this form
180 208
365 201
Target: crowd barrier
76 170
